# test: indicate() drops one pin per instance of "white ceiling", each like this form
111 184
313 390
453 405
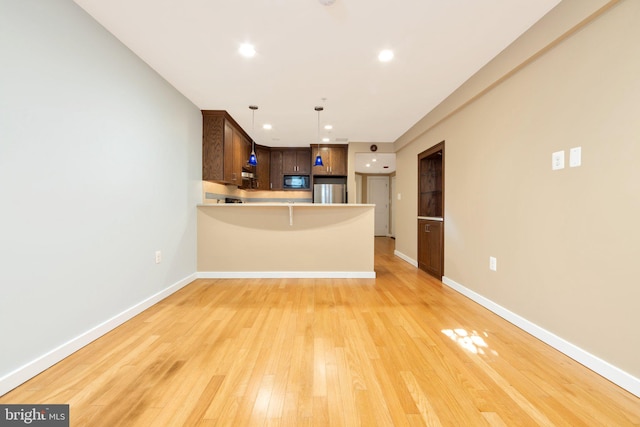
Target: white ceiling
372 163
309 54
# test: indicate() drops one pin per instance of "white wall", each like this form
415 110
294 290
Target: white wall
100 166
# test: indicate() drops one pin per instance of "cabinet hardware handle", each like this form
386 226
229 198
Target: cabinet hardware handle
426 228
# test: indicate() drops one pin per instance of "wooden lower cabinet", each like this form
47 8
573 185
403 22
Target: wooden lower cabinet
431 247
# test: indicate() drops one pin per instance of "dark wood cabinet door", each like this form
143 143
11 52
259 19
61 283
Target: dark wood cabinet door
338 161
296 162
238 161
289 162
334 160
326 160
303 162
225 149
263 178
229 171
430 245
276 170
213 148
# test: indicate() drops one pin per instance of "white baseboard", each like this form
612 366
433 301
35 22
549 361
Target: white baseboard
601 367
286 275
33 368
406 258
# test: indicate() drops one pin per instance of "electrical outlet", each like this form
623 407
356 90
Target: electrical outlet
557 160
493 264
158 257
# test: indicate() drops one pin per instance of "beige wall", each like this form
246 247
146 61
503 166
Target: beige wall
260 238
567 241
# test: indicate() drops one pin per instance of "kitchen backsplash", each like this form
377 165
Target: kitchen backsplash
213 193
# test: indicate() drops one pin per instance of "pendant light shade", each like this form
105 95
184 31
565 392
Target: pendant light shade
318 161
253 160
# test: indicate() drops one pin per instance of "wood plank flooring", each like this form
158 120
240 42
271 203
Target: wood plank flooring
399 350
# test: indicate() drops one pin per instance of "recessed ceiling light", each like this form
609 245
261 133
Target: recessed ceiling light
374 160
368 165
385 55
328 127
326 139
247 50
267 126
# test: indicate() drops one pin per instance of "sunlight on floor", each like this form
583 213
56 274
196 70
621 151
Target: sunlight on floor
473 341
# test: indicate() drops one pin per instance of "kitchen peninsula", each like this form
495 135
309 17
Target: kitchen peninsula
286 240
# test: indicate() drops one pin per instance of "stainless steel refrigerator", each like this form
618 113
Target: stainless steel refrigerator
329 193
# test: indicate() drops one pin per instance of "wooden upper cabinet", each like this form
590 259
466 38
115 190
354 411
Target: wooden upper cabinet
276 170
334 159
214 136
225 148
288 161
296 161
303 157
238 157
338 156
263 178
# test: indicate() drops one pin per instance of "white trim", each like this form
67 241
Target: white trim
601 367
406 258
286 275
33 368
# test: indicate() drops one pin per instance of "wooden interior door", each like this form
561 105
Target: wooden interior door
378 194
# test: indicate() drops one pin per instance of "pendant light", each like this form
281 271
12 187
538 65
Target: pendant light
253 160
318 161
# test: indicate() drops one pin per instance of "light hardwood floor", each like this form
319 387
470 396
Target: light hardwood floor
397 350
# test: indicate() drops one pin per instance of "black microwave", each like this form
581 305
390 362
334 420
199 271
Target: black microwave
296 182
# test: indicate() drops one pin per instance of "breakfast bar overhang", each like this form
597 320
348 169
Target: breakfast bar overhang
286 240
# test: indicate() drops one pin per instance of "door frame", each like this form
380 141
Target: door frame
439 147
392 206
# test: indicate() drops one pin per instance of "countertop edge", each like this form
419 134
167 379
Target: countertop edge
322 205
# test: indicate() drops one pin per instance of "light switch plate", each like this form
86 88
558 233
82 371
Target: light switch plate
493 264
575 157
557 160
